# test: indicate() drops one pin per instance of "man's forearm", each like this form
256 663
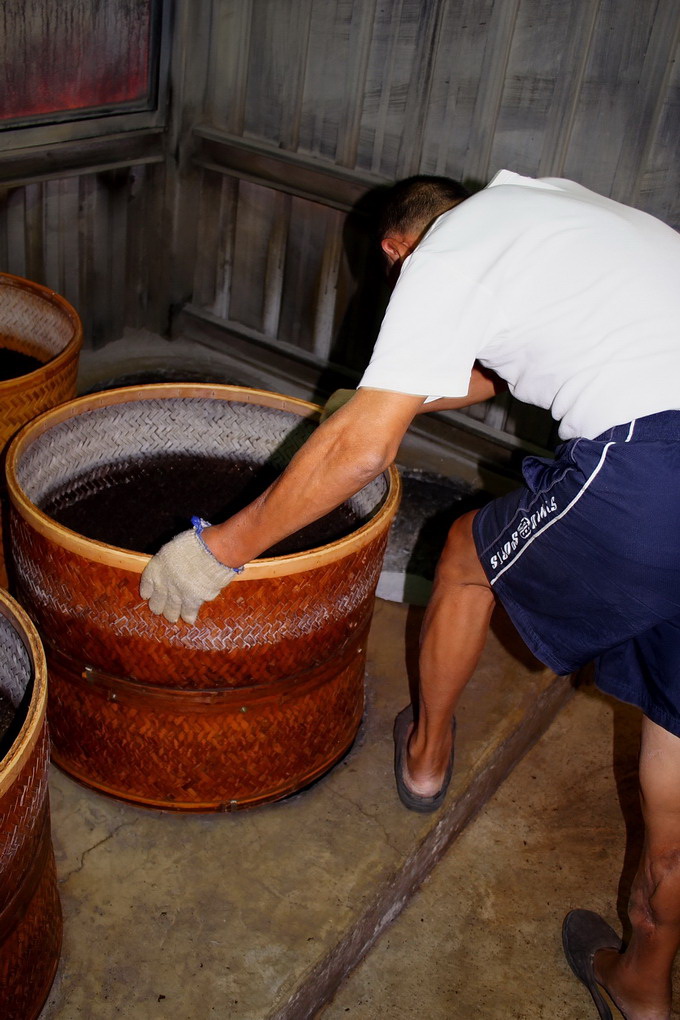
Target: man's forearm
314 484
342 456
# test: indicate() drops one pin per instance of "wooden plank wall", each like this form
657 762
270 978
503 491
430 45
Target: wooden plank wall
241 204
92 237
310 104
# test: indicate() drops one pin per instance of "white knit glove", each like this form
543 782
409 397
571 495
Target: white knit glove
336 400
183 575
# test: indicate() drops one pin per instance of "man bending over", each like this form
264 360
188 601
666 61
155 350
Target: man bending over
572 300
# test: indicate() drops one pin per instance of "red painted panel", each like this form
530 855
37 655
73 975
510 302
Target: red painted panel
73 55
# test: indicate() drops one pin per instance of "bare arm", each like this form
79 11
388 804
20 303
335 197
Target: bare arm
484 384
340 457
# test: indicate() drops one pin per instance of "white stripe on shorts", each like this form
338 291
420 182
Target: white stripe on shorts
554 520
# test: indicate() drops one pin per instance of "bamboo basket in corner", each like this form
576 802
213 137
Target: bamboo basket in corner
30 910
37 322
265 693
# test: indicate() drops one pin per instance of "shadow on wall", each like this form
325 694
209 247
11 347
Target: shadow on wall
357 330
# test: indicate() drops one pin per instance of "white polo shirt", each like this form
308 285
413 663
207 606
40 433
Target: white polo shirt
572 298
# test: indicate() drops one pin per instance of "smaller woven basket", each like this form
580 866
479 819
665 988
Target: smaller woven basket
37 322
30 911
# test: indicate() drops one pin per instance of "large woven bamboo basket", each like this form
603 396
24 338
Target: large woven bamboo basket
37 322
266 691
30 911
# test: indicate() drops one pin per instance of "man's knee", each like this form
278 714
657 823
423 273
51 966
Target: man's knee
459 563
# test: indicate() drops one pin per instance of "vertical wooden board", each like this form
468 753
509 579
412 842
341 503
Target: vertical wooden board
226 230
255 222
575 48
457 61
327 295
419 87
276 256
159 299
103 226
88 197
363 14
15 231
647 109
387 78
4 246
610 82
304 258
61 250
340 37
493 72
534 65
35 250
144 294
659 186
113 253
326 95
276 71
227 71
211 243
52 236
141 244
68 211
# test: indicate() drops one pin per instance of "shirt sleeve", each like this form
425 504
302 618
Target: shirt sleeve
437 323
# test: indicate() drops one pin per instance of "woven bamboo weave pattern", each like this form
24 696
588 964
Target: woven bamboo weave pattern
15 663
255 632
30 956
23 805
217 757
22 811
258 698
30 912
47 388
37 322
89 444
30 323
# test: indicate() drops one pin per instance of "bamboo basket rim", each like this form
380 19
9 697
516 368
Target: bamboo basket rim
135 562
31 727
72 345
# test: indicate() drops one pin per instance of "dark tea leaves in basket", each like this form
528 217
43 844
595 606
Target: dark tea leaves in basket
7 713
14 364
145 502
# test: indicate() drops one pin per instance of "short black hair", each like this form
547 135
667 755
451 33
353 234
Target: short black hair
412 204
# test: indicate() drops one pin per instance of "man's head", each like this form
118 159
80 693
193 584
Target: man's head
410 207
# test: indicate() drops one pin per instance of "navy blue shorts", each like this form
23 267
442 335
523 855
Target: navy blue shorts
585 557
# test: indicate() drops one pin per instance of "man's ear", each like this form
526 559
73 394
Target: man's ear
395 249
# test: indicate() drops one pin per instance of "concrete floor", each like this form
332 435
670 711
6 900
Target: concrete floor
246 916
482 938
264 914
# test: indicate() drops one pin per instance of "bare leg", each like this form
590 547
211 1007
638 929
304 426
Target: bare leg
640 979
452 639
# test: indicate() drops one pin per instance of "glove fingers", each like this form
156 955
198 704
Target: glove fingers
189 612
181 577
157 600
171 608
146 584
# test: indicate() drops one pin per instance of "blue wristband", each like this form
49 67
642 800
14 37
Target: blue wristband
199 526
